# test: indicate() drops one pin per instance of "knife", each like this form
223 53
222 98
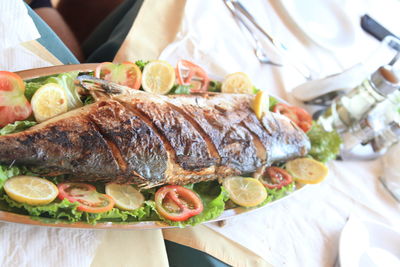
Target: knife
372 27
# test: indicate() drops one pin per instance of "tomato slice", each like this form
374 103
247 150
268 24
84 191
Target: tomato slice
13 104
177 203
275 177
87 196
189 73
296 114
126 73
305 119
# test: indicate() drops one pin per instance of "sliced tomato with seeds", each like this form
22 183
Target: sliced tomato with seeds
304 118
13 104
126 73
189 73
275 177
296 114
177 203
87 196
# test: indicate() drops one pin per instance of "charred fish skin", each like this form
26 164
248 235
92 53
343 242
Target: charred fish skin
150 140
221 120
100 142
71 145
140 152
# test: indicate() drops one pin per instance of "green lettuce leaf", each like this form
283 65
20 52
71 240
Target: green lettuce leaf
56 210
141 64
275 194
16 127
214 86
31 88
272 102
178 89
87 100
117 215
65 210
8 172
256 90
67 81
325 146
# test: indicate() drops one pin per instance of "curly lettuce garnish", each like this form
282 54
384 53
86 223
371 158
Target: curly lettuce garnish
325 146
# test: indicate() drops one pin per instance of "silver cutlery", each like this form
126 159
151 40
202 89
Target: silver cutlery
253 39
247 21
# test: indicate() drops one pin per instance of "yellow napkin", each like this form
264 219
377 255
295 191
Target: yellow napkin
215 244
40 51
154 28
131 248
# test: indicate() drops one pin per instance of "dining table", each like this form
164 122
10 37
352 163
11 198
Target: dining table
304 228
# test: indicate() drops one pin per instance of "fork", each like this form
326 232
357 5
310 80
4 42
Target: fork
258 49
244 17
251 37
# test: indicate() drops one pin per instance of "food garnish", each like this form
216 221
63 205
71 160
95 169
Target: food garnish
275 177
325 146
67 82
168 116
261 104
31 190
298 115
177 203
86 195
246 192
126 73
307 170
13 104
237 83
188 73
158 77
126 197
49 101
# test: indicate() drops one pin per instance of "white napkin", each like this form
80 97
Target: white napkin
17 27
23 245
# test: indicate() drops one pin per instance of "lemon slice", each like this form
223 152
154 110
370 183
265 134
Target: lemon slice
126 197
158 77
237 83
260 104
49 101
307 170
246 192
31 190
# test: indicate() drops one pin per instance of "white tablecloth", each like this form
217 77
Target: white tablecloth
304 229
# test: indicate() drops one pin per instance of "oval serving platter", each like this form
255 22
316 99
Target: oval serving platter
26 219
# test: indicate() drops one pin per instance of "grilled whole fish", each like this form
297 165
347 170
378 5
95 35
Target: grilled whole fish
148 140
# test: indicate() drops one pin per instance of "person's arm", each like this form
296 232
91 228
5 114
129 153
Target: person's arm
57 23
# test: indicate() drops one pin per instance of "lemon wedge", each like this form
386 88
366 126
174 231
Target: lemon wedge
126 197
237 83
260 104
158 77
307 170
246 192
31 190
49 101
